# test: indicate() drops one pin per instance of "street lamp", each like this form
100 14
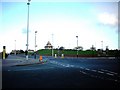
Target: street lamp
102 45
35 44
77 45
58 51
52 47
27 29
15 47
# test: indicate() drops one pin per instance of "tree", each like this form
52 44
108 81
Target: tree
26 52
61 48
107 49
21 51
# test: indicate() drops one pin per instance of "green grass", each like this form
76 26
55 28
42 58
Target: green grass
65 52
44 52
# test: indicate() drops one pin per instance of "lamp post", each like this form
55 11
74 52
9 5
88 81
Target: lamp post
58 51
27 30
35 44
102 45
77 46
52 47
15 47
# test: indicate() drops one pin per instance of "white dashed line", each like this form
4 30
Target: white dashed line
100 72
81 67
109 71
83 72
63 65
87 69
109 74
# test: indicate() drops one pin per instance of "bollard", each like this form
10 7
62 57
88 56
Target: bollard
4 52
27 57
55 55
62 56
40 58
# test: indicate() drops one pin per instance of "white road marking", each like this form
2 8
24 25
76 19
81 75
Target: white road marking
63 65
83 72
109 71
109 74
81 67
67 65
100 72
87 69
95 76
94 70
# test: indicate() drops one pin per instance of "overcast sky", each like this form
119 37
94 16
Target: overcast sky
92 22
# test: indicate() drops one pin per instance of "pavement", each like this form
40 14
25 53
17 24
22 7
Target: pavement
14 60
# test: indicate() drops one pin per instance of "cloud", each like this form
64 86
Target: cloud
108 19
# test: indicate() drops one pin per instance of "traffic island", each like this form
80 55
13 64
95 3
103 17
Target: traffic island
26 64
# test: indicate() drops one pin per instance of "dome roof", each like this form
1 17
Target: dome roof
48 44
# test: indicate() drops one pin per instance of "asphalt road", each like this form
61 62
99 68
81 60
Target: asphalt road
63 73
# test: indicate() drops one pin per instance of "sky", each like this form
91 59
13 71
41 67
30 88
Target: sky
59 23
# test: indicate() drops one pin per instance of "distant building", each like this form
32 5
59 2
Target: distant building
30 51
48 45
15 51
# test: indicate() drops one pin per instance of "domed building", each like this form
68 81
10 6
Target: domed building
48 45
